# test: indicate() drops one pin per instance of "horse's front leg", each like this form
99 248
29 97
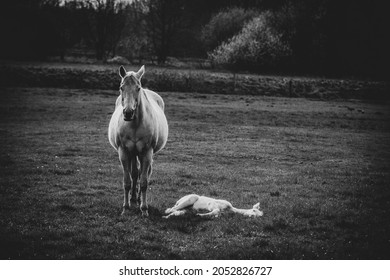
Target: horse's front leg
146 170
176 213
125 161
134 177
212 214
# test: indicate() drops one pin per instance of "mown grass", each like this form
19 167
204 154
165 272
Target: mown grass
319 169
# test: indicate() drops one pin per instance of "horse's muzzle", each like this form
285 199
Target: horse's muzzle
128 114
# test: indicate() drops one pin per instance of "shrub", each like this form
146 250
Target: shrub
257 47
225 25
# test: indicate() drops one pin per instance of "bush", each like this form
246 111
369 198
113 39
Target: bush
258 47
225 25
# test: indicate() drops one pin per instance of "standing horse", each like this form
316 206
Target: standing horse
138 129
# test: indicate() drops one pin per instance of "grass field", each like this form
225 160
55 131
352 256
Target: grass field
320 170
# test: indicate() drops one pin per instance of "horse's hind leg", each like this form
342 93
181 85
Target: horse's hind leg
211 214
125 161
146 170
175 213
183 202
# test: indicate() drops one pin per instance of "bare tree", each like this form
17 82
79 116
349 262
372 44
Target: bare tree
163 20
105 20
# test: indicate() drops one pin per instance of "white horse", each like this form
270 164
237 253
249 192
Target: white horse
138 129
211 205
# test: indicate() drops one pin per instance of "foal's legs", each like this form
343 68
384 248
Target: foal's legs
213 213
175 213
125 161
183 202
146 170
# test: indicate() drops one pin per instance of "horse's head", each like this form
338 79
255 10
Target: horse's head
255 211
130 89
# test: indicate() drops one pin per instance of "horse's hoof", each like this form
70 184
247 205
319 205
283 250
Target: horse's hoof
145 213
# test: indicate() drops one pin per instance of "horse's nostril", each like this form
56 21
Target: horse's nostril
128 114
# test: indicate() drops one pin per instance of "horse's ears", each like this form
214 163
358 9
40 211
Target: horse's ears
256 206
140 73
122 71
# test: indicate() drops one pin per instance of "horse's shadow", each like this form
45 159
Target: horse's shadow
187 223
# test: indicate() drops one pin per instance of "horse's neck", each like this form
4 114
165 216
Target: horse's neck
239 211
142 105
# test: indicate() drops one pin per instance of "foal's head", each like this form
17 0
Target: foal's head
130 90
254 212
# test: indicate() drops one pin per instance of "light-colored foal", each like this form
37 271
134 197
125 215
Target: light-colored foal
213 207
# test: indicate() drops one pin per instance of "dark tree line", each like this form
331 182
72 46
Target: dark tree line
332 37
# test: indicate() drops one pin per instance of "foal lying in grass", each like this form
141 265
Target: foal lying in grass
213 206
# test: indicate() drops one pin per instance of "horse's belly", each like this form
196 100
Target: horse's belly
150 134
162 136
113 129
204 203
